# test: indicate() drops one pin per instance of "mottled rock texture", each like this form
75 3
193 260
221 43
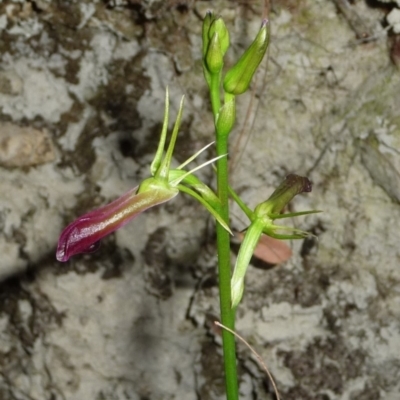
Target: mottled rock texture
81 103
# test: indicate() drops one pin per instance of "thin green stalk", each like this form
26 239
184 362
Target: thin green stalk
214 94
224 272
224 265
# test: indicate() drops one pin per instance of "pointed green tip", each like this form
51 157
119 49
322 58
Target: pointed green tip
155 165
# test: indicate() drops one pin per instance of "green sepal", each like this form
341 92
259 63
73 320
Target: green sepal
208 207
163 170
295 214
155 165
218 26
246 251
249 213
214 58
297 233
226 116
197 185
156 184
208 19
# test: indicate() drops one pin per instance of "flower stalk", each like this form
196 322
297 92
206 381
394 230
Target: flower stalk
224 119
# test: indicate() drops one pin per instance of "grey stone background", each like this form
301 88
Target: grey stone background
81 99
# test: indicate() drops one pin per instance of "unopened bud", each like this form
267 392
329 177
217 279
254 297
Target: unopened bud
214 58
238 78
226 117
218 26
209 18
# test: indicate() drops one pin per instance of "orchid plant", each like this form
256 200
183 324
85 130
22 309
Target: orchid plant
84 234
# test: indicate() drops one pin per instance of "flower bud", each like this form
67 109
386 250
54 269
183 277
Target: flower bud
209 18
238 78
226 117
218 26
214 58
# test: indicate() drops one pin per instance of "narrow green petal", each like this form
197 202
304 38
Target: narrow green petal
163 170
241 204
295 233
208 195
208 207
155 165
295 214
246 251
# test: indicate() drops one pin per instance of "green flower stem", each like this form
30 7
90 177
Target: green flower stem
214 93
223 249
224 272
237 80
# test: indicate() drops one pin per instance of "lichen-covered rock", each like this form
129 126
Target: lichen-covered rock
24 146
134 320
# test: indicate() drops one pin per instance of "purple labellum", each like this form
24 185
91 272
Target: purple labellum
93 247
84 234
302 183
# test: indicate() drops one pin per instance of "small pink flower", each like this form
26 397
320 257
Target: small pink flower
83 235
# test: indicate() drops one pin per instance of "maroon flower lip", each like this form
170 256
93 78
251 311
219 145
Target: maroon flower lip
84 234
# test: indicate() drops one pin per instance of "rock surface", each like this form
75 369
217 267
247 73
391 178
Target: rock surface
82 96
24 146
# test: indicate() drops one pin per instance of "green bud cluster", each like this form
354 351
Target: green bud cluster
237 79
215 43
